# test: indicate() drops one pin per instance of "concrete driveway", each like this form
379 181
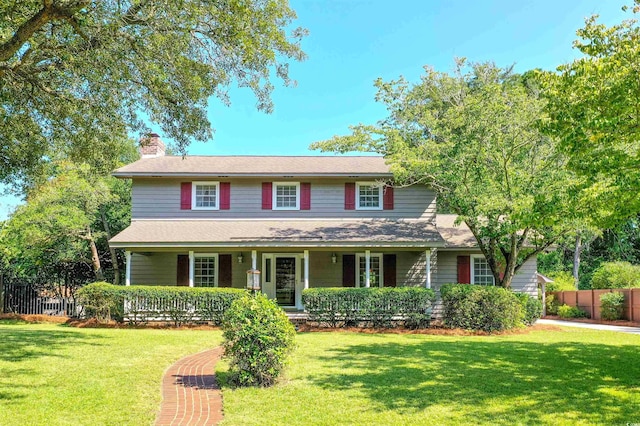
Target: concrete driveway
622 329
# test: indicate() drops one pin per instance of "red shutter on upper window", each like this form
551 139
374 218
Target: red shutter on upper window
185 196
464 270
225 195
349 196
267 195
305 196
387 198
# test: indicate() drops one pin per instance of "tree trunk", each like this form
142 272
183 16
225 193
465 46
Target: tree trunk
576 259
95 259
112 251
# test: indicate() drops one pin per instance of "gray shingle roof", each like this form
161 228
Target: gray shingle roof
459 236
256 166
277 233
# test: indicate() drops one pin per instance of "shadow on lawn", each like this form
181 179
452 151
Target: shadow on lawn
494 381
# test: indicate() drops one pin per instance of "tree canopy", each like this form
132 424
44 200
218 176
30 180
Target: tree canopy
594 108
77 74
474 136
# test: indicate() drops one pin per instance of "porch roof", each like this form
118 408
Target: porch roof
278 233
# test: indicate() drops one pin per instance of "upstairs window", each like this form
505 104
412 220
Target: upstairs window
205 196
368 196
480 271
286 196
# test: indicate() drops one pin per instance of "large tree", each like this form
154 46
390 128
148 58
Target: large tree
77 74
473 135
594 108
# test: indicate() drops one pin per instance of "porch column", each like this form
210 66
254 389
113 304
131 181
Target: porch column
254 259
127 271
306 269
192 265
428 268
367 267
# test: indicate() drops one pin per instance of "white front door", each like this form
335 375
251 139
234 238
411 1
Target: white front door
281 278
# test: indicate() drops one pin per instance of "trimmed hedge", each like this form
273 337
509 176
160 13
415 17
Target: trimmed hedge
376 307
531 306
611 305
479 307
258 338
139 303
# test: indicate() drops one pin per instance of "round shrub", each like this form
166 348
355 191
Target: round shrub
476 307
616 275
531 306
566 311
258 337
611 306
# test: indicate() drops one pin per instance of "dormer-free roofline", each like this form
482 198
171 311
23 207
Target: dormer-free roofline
257 166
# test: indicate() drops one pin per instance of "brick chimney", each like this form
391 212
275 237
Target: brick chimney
151 146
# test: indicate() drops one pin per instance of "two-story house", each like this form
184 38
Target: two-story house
303 221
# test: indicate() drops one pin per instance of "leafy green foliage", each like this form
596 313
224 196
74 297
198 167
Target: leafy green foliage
611 305
566 311
594 111
531 306
78 74
477 307
258 338
562 281
616 275
474 137
377 307
138 303
551 304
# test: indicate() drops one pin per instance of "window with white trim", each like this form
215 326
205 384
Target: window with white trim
480 271
375 270
286 196
368 196
205 196
205 270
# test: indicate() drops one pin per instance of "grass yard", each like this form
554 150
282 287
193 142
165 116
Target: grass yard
546 377
58 375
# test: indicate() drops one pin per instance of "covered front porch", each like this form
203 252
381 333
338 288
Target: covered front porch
284 271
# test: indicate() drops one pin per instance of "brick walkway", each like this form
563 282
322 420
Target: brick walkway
190 394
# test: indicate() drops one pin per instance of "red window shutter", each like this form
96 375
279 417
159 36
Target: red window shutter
349 270
387 198
226 266
225 195
182 278
464 270
185 196
305 196
349 196
389 266
267 194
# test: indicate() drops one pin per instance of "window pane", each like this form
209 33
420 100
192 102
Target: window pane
206 195
374 274
481 272
204 272
286 196
369 196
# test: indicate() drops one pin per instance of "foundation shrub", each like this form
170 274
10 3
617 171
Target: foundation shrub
375 307
258 337
611 305
532 308
477 307
139 304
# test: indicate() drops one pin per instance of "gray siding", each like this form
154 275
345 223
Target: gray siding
160 198
154 268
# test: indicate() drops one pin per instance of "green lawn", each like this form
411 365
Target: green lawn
545 377
58 375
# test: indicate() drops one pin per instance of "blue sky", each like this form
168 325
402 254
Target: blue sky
352 42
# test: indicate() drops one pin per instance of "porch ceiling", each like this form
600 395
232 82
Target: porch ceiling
278 233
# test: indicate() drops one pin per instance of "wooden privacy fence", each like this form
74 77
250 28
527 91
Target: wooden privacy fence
589 301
